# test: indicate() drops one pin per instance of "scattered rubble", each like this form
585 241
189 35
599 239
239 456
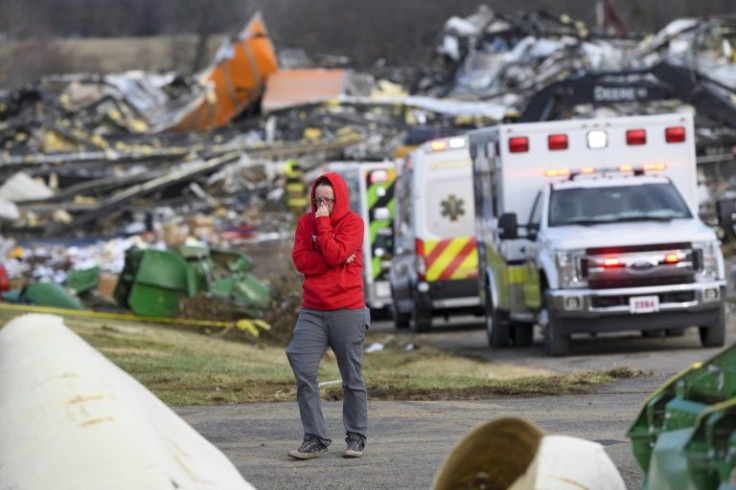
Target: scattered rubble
95 164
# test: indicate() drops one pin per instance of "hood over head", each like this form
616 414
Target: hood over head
342 198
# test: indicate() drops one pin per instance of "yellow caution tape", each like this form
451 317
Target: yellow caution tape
252 326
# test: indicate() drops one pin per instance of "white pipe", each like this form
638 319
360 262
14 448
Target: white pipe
570 463
72 420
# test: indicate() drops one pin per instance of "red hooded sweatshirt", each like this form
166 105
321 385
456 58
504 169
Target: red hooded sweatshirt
322 246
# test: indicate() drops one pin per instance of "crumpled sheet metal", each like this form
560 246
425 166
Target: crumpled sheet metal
495 55
234 81
290 88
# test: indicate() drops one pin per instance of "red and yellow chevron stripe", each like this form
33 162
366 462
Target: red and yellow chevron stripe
452 258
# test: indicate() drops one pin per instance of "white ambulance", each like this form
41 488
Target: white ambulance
371 188
435 264
590 226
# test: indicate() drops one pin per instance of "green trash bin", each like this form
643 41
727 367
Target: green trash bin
153 282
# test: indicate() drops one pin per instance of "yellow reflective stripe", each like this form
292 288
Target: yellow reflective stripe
429 246
517 274
468 268
435 269
250 325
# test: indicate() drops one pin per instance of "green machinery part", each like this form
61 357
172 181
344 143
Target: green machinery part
685 435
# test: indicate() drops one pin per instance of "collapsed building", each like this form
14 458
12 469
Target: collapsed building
86 155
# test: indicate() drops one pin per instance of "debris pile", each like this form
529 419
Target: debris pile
161 159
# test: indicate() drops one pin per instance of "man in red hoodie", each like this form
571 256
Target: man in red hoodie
327 252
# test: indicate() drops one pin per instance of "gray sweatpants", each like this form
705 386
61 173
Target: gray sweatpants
343 330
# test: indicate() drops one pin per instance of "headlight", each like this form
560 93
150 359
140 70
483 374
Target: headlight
710 260
568 268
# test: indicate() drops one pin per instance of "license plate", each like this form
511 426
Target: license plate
644 304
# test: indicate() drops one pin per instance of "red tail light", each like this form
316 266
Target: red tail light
557 142
636 137
519 144
675 134
421 264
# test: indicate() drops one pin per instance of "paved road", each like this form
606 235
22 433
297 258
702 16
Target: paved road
409 440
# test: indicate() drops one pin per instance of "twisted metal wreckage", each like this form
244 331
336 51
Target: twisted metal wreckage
124 153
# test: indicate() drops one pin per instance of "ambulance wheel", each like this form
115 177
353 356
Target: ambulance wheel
522 334
422 316
556 343
715 335
401 320
497 329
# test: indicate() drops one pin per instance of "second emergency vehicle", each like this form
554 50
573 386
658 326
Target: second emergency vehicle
435 264
609 237
371 188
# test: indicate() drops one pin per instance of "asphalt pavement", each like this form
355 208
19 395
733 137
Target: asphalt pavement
408 441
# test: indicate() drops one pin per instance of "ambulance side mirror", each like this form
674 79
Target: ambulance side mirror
508 226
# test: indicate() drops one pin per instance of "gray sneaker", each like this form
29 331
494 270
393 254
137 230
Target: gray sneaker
312 447
355 447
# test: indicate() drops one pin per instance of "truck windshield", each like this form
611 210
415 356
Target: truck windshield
644 202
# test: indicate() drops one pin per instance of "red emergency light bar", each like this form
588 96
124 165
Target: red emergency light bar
675 134
518 144
636 137
557 142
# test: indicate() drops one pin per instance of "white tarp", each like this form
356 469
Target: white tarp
72 420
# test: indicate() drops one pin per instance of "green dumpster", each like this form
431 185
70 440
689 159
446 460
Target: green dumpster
153 282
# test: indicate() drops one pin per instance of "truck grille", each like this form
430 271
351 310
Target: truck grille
636 282
640 266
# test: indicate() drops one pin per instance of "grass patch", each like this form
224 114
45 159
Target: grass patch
188 368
